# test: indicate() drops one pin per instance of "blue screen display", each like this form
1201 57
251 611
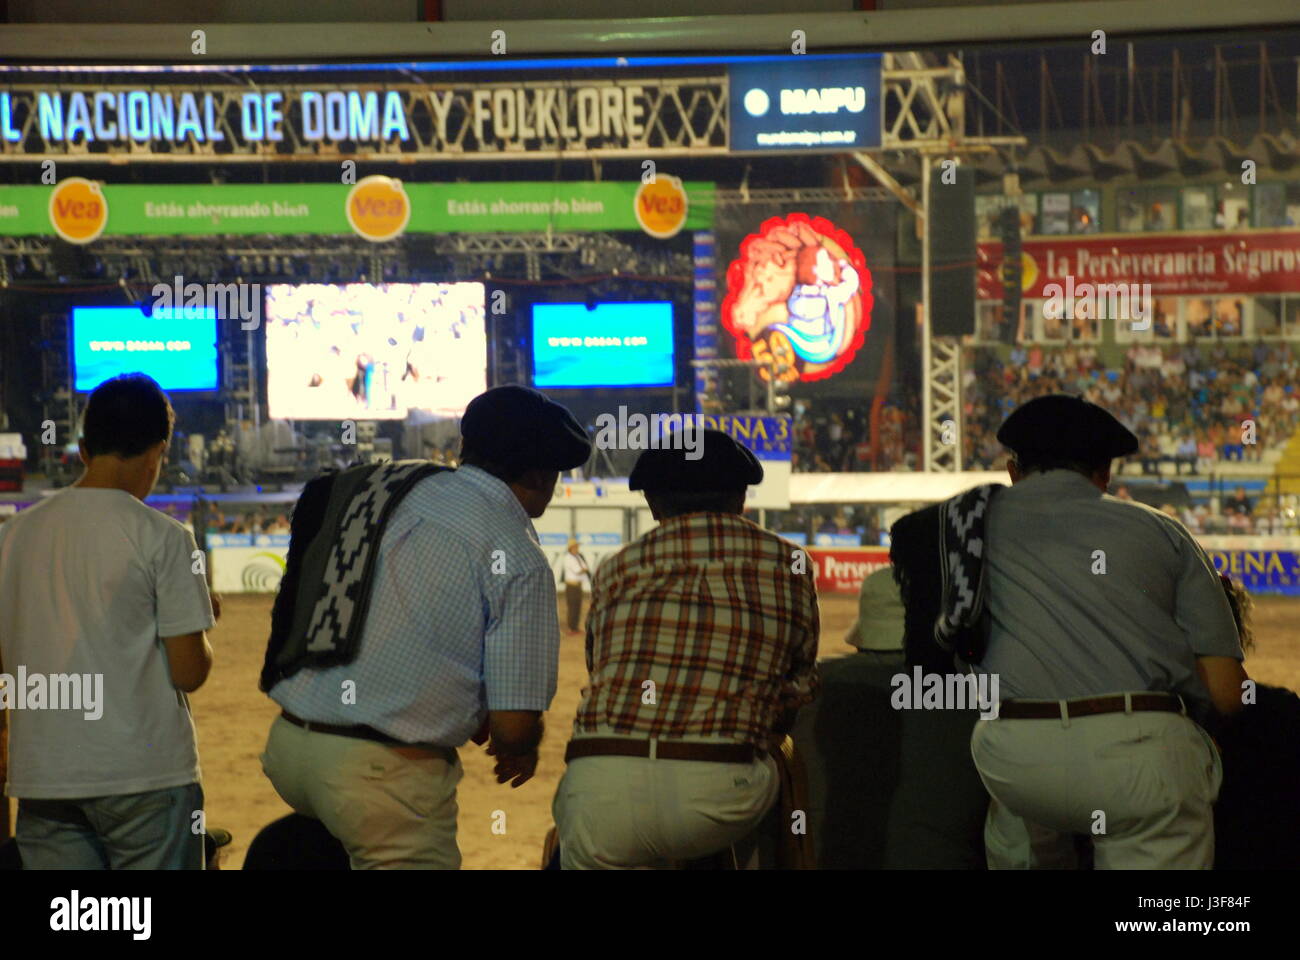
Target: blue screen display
177 347
613 345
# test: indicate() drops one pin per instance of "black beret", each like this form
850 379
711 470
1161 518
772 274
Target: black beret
721 463
520 428
1067 427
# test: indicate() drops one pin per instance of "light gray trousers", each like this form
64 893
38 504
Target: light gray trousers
1141 785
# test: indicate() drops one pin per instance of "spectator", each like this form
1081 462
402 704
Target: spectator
95 583
1238 502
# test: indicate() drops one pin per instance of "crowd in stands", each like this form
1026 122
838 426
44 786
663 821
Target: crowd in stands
1192 406
252 522
1187 404
1238 513
805 523
834 436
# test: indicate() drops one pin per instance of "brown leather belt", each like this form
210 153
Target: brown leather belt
1091 707
360 732
664 750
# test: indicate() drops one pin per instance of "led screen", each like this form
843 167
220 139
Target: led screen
177 347
612 345
374 352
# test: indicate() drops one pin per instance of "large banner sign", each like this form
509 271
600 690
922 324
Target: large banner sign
322 208
843 570
800 104
1261 571
702 105
535 118
1275 572
806 292
1261 261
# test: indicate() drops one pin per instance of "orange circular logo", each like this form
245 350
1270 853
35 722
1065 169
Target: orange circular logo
378 208
78 210
1028 272
661 206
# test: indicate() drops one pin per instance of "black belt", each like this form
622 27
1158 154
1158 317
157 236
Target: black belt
664 750
1090 707
361 732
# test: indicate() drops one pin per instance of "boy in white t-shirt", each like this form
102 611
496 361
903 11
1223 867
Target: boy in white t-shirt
103 613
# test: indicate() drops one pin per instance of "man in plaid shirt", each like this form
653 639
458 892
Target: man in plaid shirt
701 646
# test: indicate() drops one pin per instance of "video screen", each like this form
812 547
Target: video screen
374 351
611 345
175 346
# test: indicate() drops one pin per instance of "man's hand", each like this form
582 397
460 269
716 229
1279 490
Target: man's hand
515 736
480 736
216 605
518 769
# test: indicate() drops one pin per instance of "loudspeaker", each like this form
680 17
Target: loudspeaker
951 209
1009 227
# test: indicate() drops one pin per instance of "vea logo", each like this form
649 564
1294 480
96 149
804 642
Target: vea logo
78 210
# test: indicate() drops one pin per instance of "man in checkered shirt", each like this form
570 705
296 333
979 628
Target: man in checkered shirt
701 646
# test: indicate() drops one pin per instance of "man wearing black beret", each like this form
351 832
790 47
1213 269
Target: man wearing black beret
460 642
1110 638
701 645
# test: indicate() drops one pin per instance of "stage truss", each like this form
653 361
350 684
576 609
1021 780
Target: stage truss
923 116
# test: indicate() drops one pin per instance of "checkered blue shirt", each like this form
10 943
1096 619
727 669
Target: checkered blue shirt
462 620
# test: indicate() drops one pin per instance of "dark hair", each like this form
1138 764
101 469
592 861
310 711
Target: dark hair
1041 463
505 472
1241 603
675 503
126 416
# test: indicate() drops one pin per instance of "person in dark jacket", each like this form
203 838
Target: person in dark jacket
936 820
1256 826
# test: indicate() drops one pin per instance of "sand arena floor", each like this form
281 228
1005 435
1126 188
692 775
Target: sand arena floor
233 718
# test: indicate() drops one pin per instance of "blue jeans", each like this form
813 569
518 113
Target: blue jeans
153 830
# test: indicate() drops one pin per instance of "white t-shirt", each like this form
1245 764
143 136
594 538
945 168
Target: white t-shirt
90 581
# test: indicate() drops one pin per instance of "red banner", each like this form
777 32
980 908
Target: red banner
1175 264
842 569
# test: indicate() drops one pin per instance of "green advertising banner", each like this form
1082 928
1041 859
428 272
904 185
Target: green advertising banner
307 208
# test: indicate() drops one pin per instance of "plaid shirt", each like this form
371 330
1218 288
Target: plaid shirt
705 605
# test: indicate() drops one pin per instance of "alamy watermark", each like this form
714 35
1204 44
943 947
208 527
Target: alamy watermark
53 691
655 431
75 913
1093 301
233 301
944 691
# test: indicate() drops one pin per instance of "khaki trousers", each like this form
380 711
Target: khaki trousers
620 813
390 812
573 605
1141 786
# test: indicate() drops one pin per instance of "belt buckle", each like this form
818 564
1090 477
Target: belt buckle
654 748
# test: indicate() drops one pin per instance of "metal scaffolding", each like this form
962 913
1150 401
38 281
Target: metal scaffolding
925 116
